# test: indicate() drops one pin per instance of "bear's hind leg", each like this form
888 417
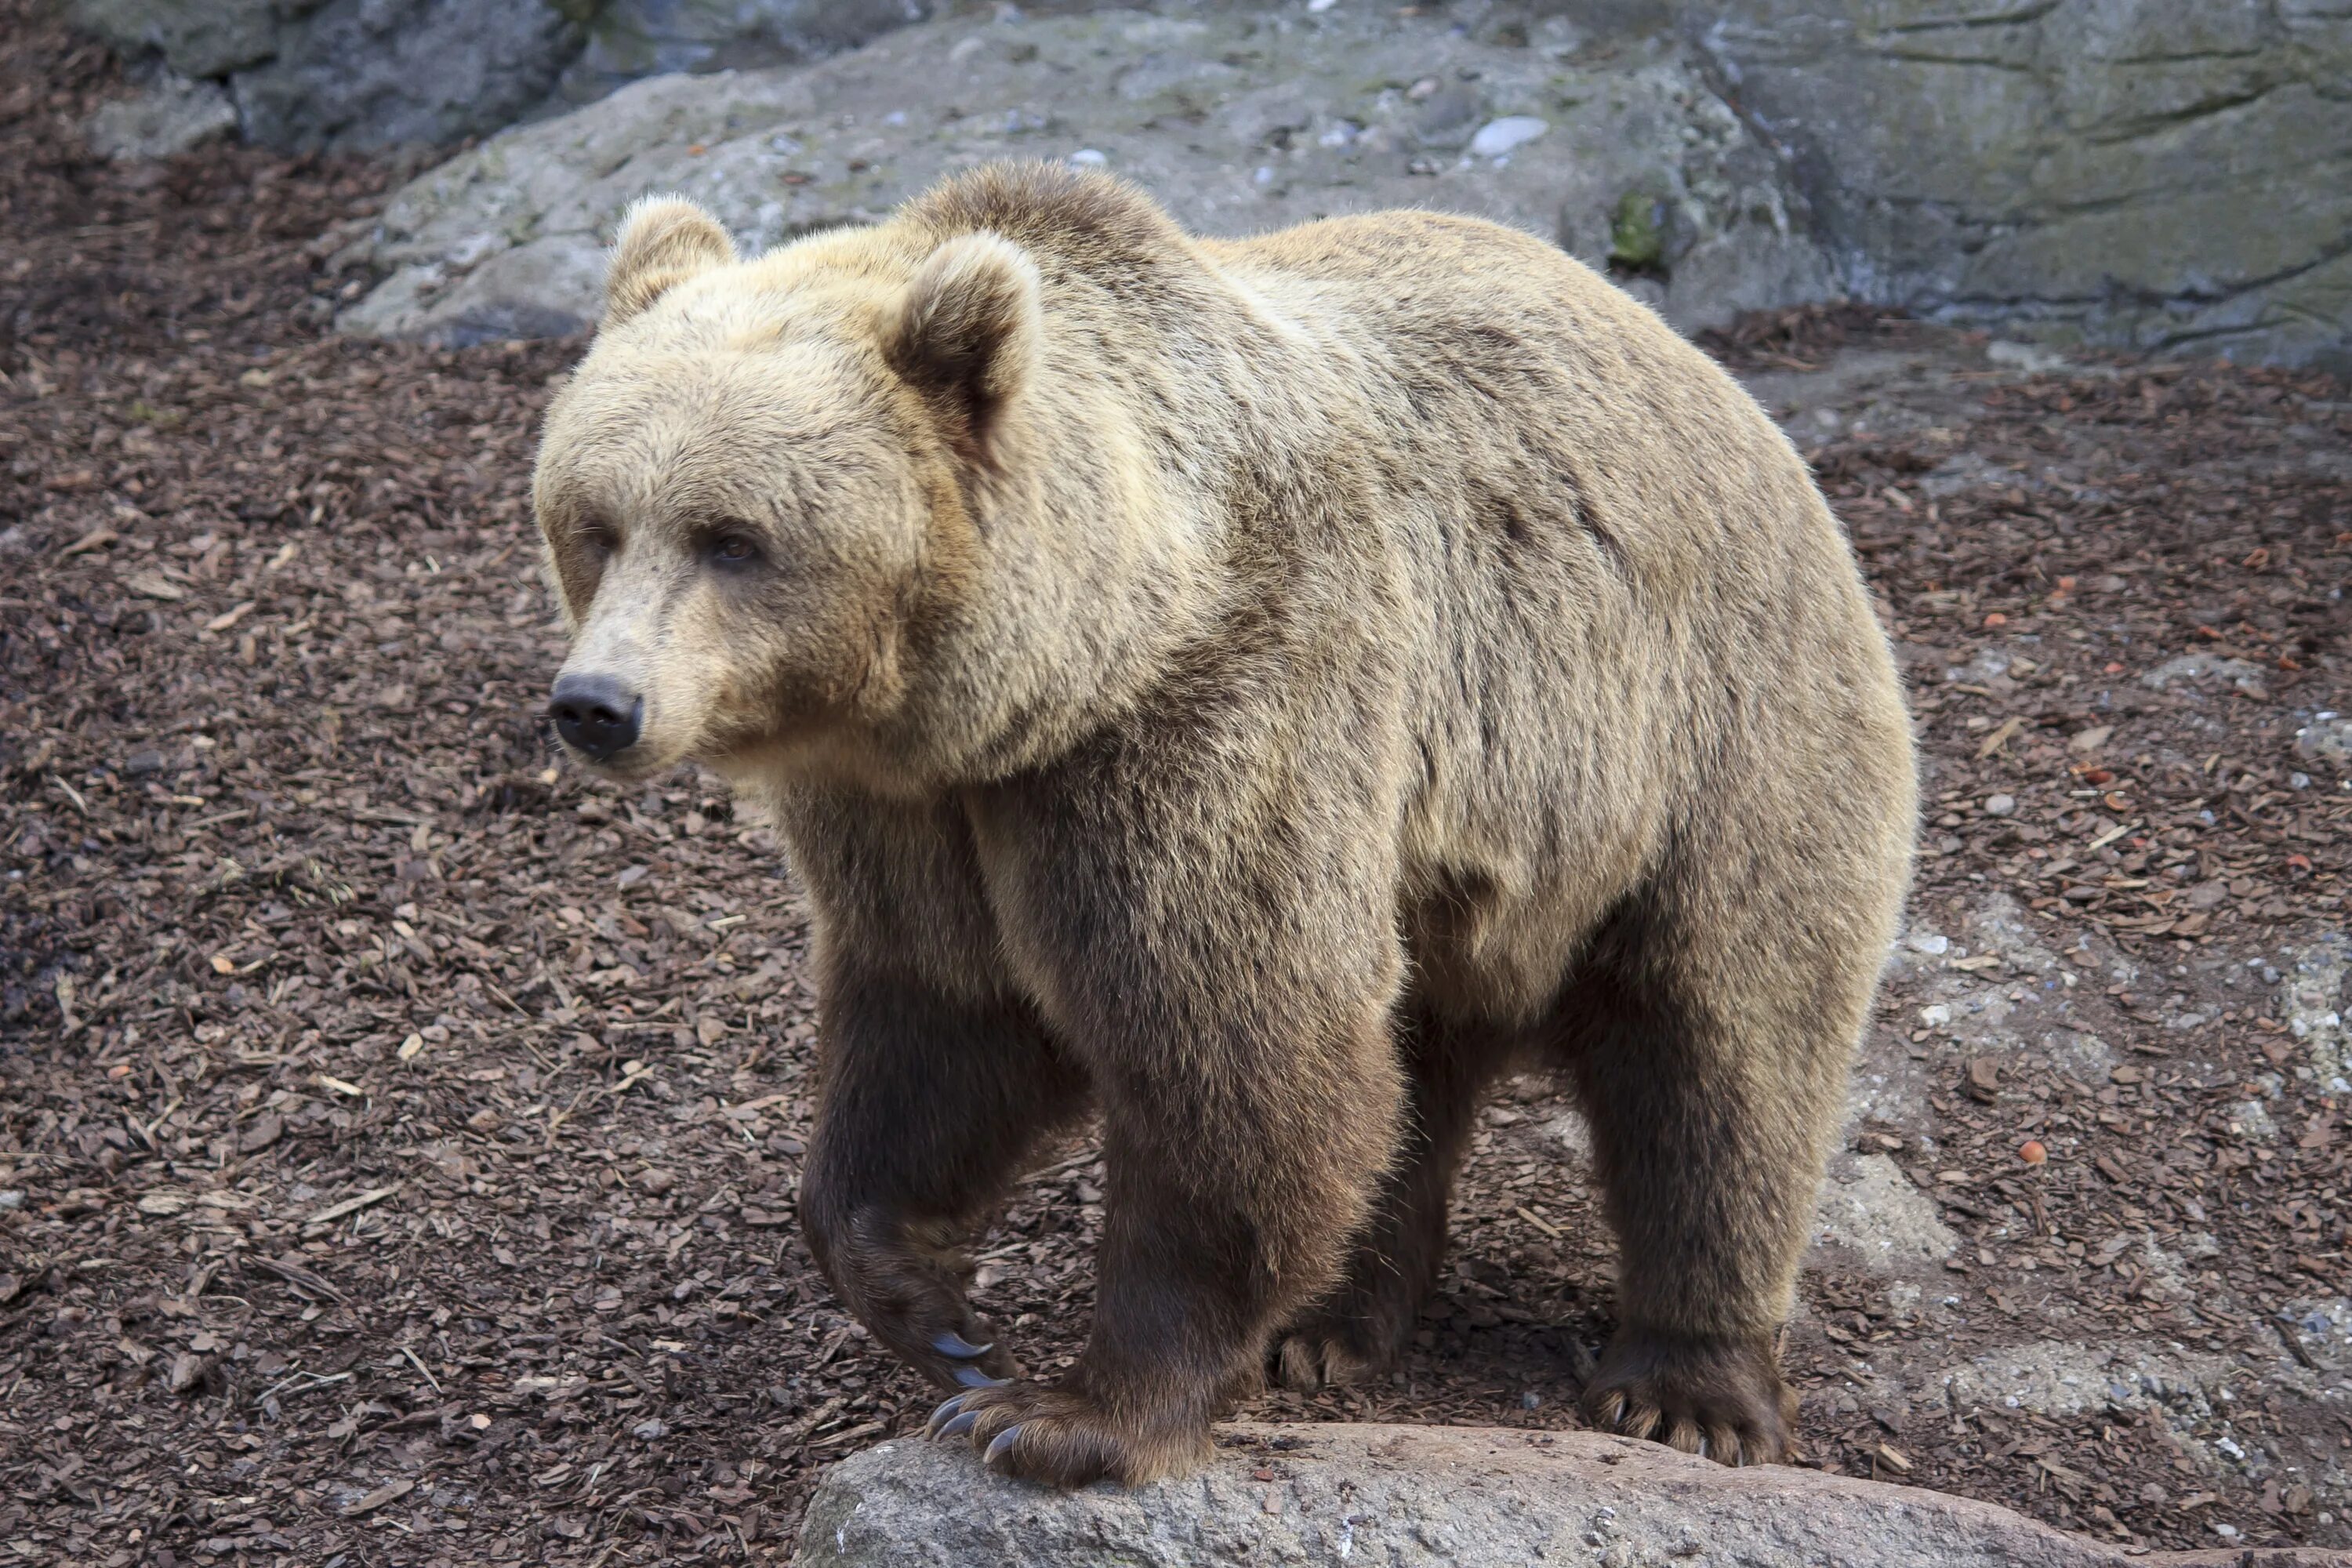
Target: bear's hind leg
930 1105
1361 1327
1712 1081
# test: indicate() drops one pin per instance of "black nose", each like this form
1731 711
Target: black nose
595 714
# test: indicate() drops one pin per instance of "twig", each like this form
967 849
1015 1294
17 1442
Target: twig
428 1371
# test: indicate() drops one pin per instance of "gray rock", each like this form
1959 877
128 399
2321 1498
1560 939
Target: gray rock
2156 174
195 37
1239 123
1413 1497
2327 741
1870 1209
169 117
2194 667
628 39
2322 1324
2153 174
357 74
2311 1001
2063 1377
354 74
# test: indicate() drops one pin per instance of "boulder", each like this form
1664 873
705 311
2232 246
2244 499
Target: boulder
194 37
1417 1497
632 38
1239 122
170 115
2157 173
356 74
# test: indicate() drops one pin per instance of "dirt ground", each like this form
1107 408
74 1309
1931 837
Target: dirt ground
398 1137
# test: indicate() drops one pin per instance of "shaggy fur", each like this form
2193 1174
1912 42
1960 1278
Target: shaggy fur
1256 692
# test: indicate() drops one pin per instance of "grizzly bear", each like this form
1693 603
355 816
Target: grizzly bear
1255 692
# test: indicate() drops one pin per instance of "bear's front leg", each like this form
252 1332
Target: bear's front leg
1233 1010
930 1103
1230 1206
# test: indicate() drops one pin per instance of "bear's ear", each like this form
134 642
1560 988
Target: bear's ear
966 337
663 241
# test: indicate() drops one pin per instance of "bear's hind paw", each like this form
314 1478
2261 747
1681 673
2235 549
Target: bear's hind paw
1721 1399
1315 1359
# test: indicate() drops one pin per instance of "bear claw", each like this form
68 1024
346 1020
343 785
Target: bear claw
1722 1399
948 1410
1001 1442
954 1344
961 1423
973 1377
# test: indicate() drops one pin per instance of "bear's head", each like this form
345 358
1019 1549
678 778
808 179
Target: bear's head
757 491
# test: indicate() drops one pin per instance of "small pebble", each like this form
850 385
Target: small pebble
1088 158
2032 1153
1531 1400
13 1198
649 1431
1498 137
2000 804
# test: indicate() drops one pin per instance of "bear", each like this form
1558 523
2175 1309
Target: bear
1255 693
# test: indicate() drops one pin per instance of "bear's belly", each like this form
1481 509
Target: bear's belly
1495 944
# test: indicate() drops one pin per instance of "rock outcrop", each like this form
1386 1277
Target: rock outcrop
170 115
2172 175
1418 1497
1238 122
2165 175
355 74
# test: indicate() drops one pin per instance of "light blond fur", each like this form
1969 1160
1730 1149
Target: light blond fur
1257 691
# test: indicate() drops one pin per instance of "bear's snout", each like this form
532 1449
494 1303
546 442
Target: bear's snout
597 715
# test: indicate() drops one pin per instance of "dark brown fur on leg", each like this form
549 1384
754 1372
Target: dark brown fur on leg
1710 1111
929 1107
1168 1344
1362 1328
1249 1087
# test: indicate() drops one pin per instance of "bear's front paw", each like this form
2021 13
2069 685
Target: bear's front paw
1334 1350
1060 1438
1720 1398
909 1291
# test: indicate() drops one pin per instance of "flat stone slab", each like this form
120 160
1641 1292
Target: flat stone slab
1356 1496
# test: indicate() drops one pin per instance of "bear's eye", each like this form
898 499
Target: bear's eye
731 548
600 540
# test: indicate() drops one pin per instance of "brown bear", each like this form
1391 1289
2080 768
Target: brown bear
1255 692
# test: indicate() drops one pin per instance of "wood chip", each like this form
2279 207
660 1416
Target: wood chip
154 585
1999 737
390 1491
352 1205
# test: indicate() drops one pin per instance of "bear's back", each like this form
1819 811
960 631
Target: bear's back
1496 372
